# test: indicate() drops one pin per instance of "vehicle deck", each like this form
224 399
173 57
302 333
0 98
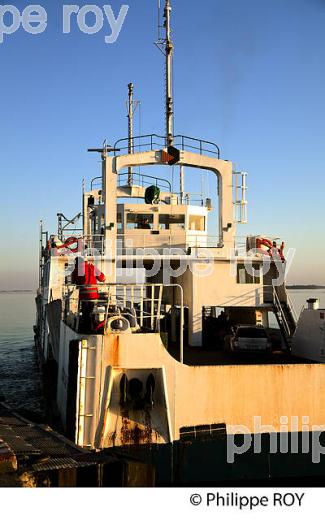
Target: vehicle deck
200 356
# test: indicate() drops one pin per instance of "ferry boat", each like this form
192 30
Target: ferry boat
176 354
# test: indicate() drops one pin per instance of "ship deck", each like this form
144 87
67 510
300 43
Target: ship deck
210 356
200 356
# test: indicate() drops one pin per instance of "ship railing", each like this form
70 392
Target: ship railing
280 296
163 242
302 309
140 244
96 183
279 310
157 244
153 243
144 180
282 306
144 301
292 307
187 242
240 246
94 244
120 299
149 142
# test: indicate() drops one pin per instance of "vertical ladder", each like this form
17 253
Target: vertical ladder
82 389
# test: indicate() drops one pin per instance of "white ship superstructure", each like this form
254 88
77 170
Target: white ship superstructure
155 368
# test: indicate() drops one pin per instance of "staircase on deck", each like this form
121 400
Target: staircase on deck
285 315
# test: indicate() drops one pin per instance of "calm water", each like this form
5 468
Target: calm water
19 374
299 297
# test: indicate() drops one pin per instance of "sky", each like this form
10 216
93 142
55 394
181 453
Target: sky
249 75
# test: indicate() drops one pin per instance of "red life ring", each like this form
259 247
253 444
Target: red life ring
263 242
272 249
69 243
72 243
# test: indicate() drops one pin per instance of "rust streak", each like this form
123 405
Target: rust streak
115 354
136 434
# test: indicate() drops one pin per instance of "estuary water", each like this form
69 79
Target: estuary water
20 382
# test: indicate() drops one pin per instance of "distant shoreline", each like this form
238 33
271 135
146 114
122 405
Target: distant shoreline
310 287
17 291
291 287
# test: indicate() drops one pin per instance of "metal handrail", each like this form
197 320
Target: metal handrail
158 242
163 243
142 176
93 181
163 238
179 141
291 307
68 290
117 146
278 306
201 142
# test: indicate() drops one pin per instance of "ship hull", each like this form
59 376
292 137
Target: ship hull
199 424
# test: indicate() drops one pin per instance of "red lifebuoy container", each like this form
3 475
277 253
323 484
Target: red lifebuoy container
272 249
71 243
263 242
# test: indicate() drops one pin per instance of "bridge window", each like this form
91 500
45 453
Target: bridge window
175 221
196 223
248 276
139 221
119 222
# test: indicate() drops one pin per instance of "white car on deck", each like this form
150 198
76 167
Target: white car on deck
250 338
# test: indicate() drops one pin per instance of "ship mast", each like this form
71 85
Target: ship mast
165 44
130 126
131 109
169 77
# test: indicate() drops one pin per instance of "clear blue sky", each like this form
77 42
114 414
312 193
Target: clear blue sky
249 75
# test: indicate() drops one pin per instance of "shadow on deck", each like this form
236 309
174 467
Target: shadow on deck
203 356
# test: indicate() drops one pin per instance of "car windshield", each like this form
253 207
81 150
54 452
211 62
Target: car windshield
251 332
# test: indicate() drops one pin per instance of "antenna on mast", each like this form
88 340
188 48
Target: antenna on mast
131 107
166 46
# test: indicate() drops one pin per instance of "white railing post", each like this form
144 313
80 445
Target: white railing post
291 307
141 306
182 326
120 298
